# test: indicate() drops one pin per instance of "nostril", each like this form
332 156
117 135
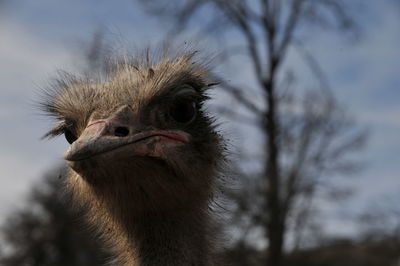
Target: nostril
121 132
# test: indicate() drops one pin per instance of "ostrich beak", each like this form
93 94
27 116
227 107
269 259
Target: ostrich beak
146 143
118 138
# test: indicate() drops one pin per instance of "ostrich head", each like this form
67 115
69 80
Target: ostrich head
140 143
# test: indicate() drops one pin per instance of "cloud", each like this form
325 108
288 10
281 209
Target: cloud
24 59
386 116
365 73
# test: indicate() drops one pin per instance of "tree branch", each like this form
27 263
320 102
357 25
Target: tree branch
240 17
290 27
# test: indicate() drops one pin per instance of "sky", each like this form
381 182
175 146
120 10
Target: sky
38 37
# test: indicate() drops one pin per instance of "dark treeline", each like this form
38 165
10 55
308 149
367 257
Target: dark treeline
47 232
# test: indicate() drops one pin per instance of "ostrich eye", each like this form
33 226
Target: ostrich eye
183 111
69 136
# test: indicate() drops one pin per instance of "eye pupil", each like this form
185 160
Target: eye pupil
183 111
69 136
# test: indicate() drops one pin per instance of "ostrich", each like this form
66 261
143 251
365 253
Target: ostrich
143 158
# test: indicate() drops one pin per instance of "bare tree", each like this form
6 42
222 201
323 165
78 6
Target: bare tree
305 138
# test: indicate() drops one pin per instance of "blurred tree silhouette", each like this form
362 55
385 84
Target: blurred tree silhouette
350 252
381 221
47 232
305 138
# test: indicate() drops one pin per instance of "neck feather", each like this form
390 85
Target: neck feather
175 237
149 237
170 238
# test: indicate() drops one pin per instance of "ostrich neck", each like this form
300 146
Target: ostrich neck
149 231
169 238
